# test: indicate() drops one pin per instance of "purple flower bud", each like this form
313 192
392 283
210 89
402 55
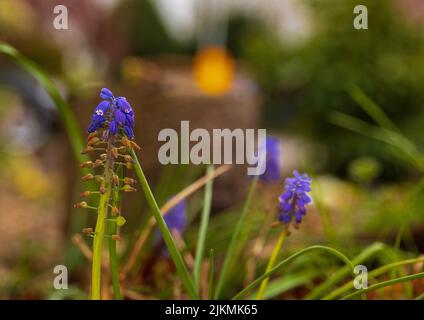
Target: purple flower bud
129 132
106 94
121 103
103 106
113 127
124 105
120 117
129 121
97 122
99 116
285 217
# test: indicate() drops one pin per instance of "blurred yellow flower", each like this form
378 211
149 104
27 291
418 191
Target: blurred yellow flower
132 69
213 70
28 179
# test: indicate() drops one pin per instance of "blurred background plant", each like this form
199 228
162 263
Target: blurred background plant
345 103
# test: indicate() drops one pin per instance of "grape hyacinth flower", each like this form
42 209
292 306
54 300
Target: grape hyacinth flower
111 140
292 206
272 173
113 113
295 198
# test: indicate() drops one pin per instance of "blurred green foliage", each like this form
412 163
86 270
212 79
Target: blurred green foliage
303 84
364 169
148 35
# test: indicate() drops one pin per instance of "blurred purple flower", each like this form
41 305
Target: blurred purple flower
117 111
272 148
176 218
176 221
295 198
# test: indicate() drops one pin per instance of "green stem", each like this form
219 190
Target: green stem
271 263
384 284
99 235
207 202
232 253
289 259
113 259
211 272
166 234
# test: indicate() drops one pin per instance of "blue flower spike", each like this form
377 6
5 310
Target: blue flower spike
295 198
113 114
111 145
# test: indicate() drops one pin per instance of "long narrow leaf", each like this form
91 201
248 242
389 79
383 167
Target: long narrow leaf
287 283
375 273
207 202
211 274
372 108
395 139
232 252
266 275
384 284
367 253
166 234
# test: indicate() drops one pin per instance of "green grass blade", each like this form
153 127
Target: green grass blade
266 275
367 253
166 234
384 284
232 252
407 147
287 283
207 203
375 273
420 297
371 108
211 273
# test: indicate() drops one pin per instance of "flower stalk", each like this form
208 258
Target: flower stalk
292 205
111 128
113 224
271 263
99 234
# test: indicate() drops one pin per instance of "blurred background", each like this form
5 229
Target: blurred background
295 67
